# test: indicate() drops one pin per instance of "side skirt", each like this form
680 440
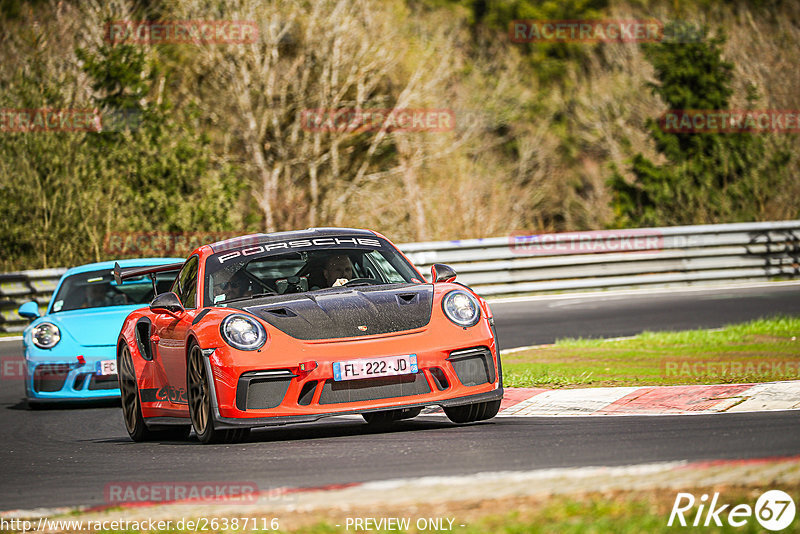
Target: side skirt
155 422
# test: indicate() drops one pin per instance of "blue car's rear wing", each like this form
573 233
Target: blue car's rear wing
121 274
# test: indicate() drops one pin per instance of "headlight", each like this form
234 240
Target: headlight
46 335
461 308
243 332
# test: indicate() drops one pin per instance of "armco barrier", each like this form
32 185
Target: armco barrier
19 287
680 255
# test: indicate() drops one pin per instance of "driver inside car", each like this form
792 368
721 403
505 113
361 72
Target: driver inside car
96 296
338 270
238 285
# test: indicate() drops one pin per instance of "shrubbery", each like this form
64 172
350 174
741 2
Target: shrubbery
210 138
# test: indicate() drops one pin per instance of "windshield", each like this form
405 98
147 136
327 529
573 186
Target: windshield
97 289
341 262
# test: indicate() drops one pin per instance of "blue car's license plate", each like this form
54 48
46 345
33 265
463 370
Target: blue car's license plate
107 367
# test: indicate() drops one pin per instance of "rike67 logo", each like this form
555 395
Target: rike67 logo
774 511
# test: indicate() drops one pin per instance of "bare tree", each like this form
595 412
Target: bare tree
338 55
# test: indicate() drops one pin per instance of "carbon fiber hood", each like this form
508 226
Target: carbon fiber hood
336 313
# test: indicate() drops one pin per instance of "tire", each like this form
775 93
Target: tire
132 409
129 397
470 413
389 416
199 386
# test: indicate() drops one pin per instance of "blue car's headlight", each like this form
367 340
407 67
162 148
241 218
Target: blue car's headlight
243 332
461 308
46 335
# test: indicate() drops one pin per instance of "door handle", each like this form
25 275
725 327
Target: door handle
155 338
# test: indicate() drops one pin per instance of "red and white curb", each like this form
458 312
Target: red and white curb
652 400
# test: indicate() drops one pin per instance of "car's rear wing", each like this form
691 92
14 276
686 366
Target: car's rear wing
121 274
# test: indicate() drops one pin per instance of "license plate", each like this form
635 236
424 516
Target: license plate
375 367
107 367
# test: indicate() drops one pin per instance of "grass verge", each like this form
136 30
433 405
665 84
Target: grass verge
618 511
758 351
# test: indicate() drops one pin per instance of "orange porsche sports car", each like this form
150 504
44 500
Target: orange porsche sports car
270 329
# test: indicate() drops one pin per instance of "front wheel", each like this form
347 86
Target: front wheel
199 385
470 413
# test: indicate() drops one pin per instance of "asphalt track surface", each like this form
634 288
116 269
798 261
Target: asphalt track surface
64 457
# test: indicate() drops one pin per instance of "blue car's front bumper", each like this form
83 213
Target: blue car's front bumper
64 378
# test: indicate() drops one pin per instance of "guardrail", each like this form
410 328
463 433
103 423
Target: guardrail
22 286
678 255
544 263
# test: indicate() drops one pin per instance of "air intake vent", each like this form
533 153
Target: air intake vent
281 312
103 382
473 366
262 390
407 298
143 342
307 393
440 378
81 379
373 389
50 377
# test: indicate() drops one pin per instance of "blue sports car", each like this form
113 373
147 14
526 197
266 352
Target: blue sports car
70 351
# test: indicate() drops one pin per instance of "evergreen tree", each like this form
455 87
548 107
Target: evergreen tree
707 177
170 175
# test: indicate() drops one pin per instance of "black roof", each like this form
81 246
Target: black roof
310 233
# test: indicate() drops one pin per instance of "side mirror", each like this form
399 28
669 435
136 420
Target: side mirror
29 310
167 303
442 273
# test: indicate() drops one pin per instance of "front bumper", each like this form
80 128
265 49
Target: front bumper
450 373
303 393
64 378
